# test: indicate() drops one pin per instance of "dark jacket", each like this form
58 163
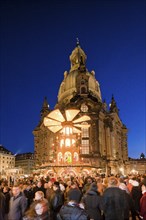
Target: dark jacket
7 201
29 196
113 203
136 194
55 203
72 211
2 206
143 206
92 201
129 207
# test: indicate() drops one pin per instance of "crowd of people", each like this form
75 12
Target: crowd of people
74 198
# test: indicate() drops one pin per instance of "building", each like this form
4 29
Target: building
137 166
98 144
7 160
26 162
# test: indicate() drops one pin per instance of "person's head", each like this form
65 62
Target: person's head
39 195
89 180
50 184
6 189
56 186
40 208
45 185
113 181
73 185
39 184
16 190
143 186
93 187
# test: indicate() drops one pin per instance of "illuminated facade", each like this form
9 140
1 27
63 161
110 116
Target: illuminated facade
25 161
7 160
95 137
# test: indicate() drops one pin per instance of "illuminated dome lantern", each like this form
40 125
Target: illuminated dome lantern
68 128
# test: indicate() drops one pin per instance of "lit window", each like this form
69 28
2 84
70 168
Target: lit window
59 156
85 147
76 156
62 143
85 131
67 142
68 157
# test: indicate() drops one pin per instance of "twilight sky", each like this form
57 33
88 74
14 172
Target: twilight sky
37 38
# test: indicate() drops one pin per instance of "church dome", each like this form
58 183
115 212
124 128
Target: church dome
77 78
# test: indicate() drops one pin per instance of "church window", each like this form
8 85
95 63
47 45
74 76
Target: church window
85 139
84 108
68 157
76 156
85 146
83 90
62 143
67 142
59 156
85 131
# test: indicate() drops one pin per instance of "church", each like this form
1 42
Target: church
82 134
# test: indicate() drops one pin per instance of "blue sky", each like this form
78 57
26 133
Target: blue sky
37 38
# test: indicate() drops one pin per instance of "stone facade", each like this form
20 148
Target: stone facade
7 160
103 145
25 161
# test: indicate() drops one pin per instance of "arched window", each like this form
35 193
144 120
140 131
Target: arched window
83 90
76 156
68 157
67 142
60 157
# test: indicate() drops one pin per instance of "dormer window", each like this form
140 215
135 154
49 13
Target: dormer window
83 90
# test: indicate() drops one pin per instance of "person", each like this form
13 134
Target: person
92 200
72 211
37 211
130 203
113 201
28 194
49 190
88 182
18 204
142 213
74 193
2 206
56 201
136 196
38 187
6 193
39 196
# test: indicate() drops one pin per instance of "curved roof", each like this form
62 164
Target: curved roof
68 86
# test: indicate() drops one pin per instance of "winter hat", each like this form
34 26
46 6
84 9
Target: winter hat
93 187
